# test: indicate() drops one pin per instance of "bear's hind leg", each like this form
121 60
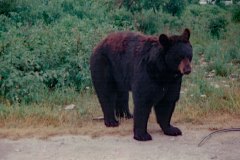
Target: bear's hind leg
108 111
107 99
105 87
164 111
122 108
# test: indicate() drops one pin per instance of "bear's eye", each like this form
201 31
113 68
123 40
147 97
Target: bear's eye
179 58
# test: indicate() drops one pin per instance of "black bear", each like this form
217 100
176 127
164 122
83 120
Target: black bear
151 67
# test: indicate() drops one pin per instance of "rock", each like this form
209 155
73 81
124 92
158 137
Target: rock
70 107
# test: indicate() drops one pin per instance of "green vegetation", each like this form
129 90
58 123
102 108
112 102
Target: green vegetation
236 14
45 47
175 7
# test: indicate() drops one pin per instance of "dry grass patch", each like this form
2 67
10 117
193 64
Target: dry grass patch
48 119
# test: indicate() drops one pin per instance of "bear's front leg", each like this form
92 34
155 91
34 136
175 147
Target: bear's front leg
164 111
141 115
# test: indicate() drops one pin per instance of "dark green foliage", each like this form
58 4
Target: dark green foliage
38 58
131 5
7 6
139 5
236 1
218 2
233 54
148 22
122 18
153 4
45 45
236 14
175 7
193 1
217 26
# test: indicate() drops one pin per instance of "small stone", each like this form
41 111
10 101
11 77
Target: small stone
226 85
70 107
216 86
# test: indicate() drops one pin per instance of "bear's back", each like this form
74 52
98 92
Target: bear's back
125 42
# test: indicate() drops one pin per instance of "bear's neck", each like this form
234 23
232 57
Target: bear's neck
160 73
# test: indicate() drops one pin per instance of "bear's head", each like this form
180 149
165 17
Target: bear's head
177 52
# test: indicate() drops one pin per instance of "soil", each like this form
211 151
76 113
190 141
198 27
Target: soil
96 142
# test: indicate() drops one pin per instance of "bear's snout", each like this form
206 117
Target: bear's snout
185 66
187 69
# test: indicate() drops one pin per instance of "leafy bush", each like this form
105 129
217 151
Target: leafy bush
236 1
193 1
137 6
7 6
122 18
217 26
175 7
220 58
232 54
148 22
45 45
236 14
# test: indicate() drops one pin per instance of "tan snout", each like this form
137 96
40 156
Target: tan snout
185 66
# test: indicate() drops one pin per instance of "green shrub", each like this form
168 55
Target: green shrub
193 1
175 7
122 18
149 22
232 54
217 26
236 14
140 5
45 45
236 1
220 67
220 58
7 6
49 54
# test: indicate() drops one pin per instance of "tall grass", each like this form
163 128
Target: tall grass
51 112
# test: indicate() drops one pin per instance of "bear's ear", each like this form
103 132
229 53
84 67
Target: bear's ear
164 40
186 34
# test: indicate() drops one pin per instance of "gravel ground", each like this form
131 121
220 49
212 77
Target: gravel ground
223 146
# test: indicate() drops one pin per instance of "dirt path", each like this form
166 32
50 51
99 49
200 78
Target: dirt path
223 146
